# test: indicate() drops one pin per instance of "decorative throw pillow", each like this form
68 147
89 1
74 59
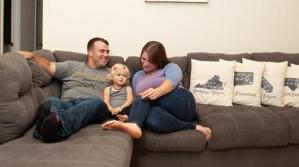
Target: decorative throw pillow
212 82
247 81
291 86
272 82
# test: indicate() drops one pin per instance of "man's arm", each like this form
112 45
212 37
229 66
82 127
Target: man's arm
48 66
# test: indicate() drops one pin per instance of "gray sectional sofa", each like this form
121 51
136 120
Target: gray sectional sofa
244 136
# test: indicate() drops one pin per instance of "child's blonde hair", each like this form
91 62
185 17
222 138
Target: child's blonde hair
114 69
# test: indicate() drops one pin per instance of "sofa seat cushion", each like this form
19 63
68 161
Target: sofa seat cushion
180 141
249 128
292 116
90 147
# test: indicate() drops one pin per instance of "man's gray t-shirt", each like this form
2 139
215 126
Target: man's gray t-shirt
79 80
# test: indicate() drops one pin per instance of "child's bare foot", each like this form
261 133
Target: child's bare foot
205 130
131 128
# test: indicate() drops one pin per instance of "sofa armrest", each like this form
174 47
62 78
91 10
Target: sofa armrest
17 100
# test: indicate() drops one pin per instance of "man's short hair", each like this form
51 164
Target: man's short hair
93 40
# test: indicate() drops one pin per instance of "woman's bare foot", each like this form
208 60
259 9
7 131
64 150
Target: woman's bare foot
131 128
205 130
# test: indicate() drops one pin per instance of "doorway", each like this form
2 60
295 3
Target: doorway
22 25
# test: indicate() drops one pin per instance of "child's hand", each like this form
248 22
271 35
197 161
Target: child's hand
113 111
122 118
116 110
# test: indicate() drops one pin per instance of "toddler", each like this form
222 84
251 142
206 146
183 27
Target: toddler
119 95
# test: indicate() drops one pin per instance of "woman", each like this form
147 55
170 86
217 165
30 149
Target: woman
160 105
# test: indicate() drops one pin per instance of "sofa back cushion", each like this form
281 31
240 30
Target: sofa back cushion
17 101
133 63
276 57
61 56
40 77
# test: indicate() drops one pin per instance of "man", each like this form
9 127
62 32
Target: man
80 103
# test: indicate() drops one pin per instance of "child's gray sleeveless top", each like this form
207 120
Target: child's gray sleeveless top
118 97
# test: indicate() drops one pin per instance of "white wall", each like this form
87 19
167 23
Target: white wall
228 26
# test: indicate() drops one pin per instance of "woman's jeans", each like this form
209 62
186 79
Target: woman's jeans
172 112
77 113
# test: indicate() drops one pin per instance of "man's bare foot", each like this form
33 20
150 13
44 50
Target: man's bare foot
131 128
205 130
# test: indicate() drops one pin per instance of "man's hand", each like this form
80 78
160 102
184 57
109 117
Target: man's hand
47 65
26 54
